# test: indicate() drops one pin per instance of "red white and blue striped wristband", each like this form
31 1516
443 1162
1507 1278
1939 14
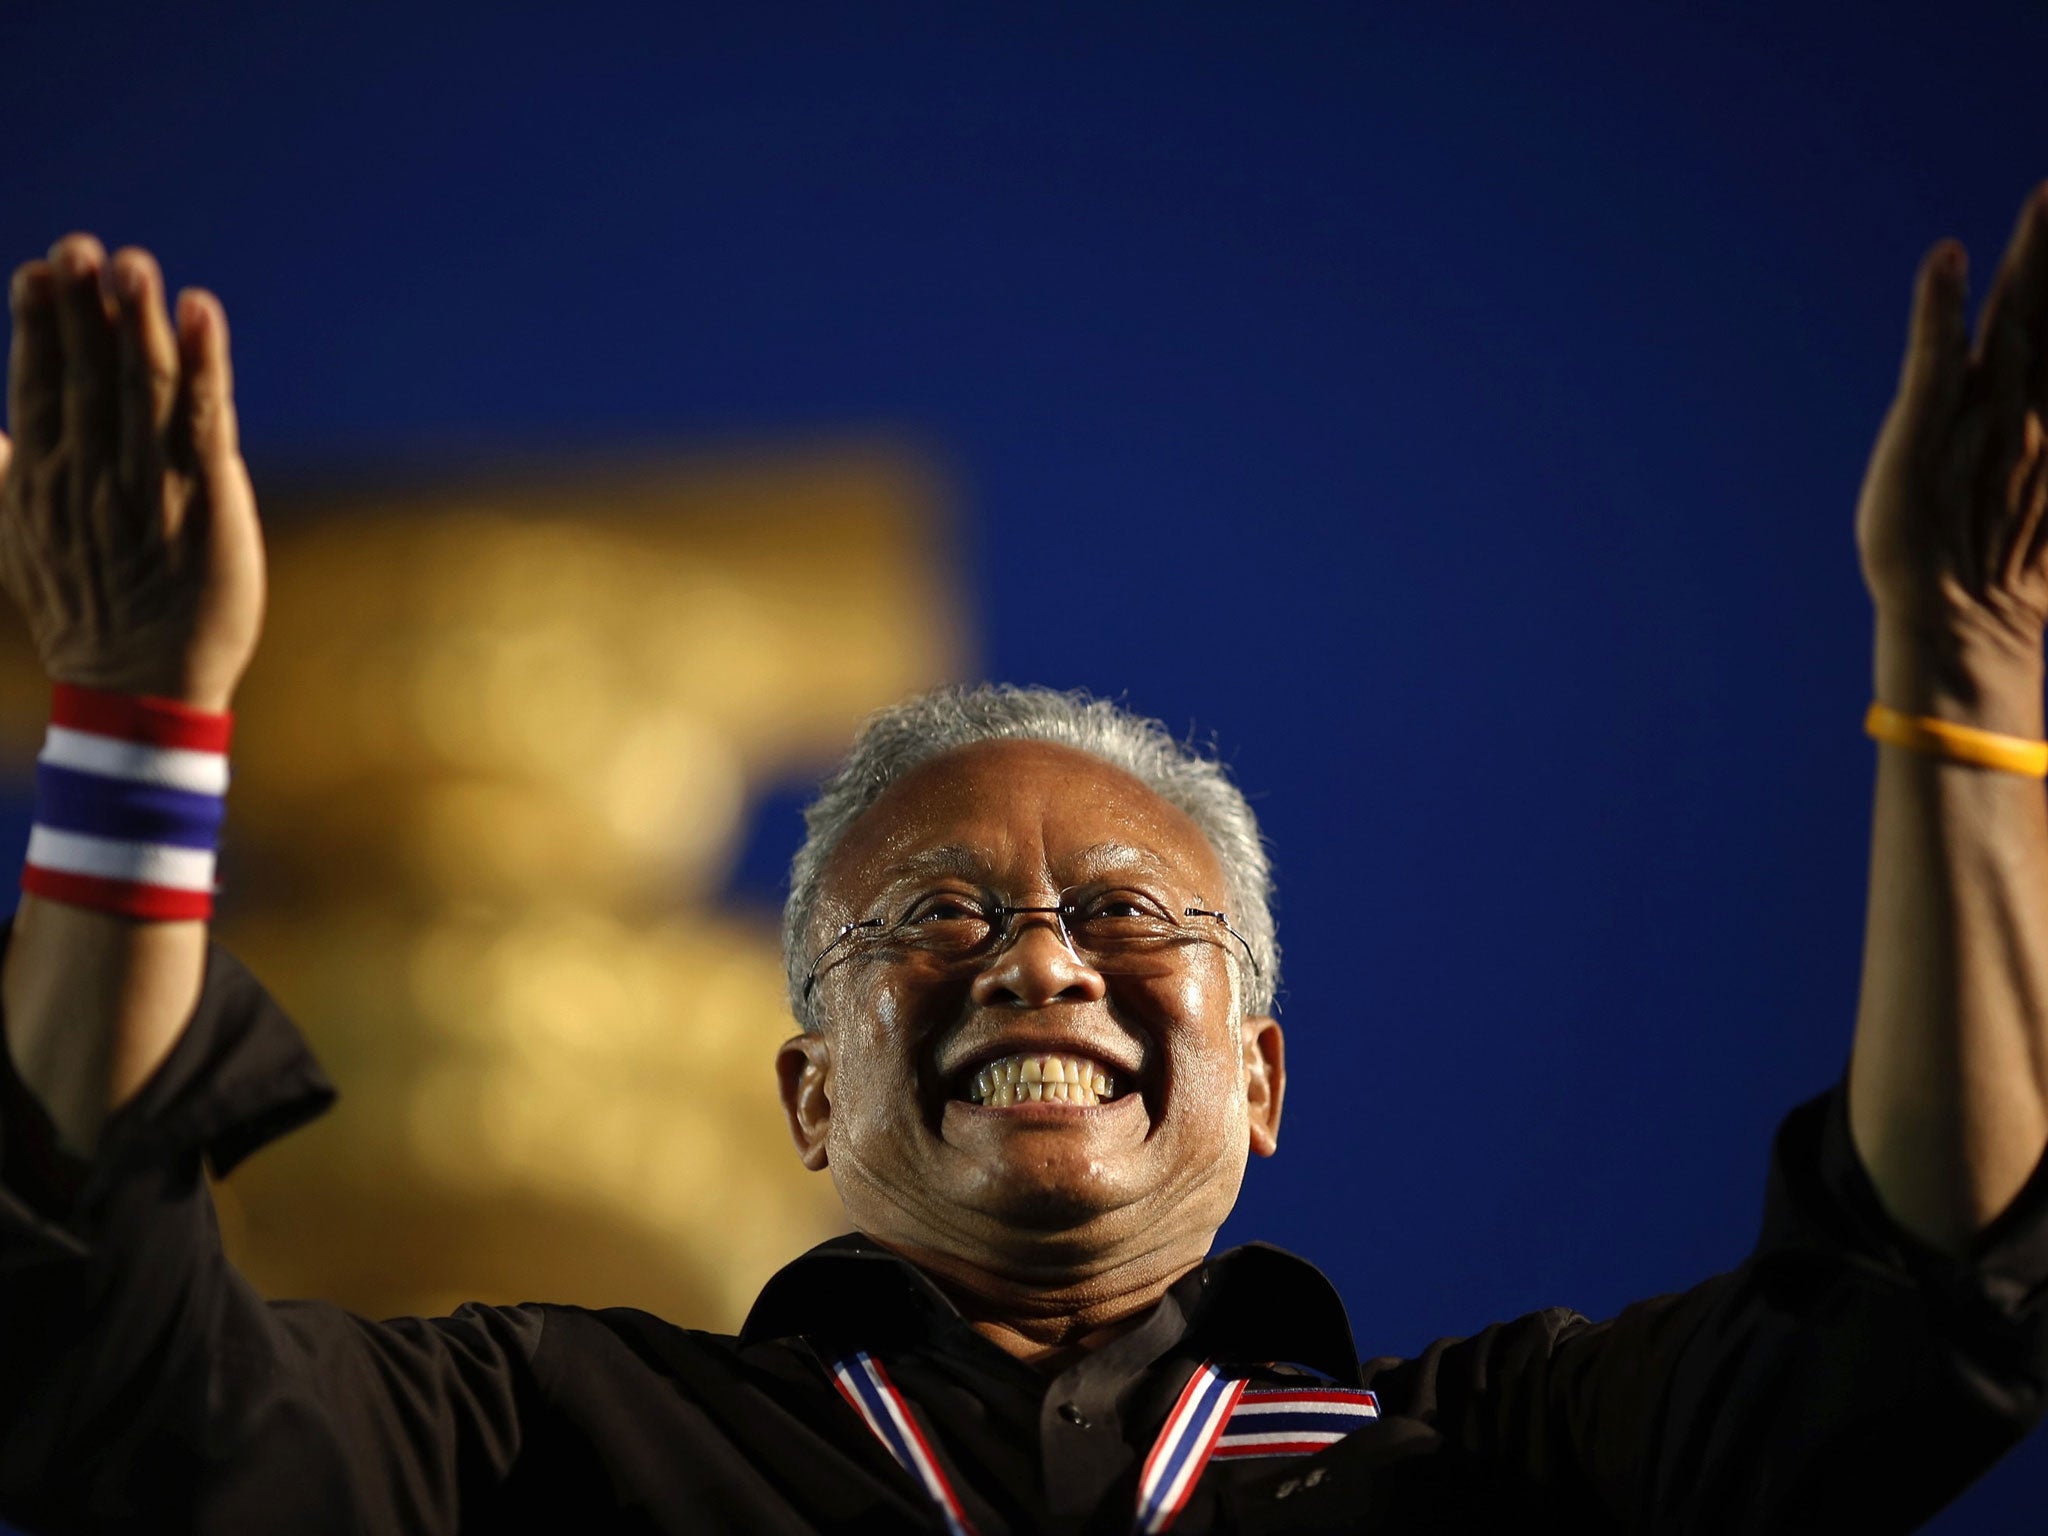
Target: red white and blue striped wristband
130 794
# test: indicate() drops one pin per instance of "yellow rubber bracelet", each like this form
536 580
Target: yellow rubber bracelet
1961 743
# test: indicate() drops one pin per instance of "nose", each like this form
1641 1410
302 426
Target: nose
1035 968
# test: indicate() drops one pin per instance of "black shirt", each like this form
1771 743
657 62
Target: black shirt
1843 1377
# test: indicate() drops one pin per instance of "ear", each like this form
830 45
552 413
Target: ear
1265 1080
803 1074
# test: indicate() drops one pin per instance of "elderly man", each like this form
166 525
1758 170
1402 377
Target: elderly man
1029 945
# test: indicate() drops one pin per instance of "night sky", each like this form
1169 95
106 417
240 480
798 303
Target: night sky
1456 412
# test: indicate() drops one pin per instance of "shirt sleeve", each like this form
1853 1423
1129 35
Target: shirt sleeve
1845 1377
145 1386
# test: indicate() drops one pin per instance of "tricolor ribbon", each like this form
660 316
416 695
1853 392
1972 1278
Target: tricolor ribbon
1184 1446
1294 1421
1186 1442
863 1383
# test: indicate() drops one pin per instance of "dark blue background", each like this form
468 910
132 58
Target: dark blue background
1458 411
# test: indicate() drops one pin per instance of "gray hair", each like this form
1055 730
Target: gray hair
895 740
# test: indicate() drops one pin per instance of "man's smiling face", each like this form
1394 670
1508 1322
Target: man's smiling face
886 1093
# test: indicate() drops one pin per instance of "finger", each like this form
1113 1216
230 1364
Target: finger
147 349
205 427
2008 342
2028 502
35 363
2005 353
20 574
87 337
1931 375
2036 319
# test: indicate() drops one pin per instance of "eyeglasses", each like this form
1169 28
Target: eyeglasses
1117 932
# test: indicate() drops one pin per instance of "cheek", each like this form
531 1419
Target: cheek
887 1014
1191 1016
1189 1000
864 1082
872 1026
880 1085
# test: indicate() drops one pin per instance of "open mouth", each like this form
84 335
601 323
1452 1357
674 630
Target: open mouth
1040 1079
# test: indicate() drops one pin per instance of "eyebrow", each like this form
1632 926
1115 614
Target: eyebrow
949 859
968 863
1107 856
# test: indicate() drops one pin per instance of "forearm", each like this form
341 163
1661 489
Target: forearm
93 1003
1948 1082
129 541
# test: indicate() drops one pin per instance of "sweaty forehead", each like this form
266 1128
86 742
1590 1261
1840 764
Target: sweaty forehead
1024 811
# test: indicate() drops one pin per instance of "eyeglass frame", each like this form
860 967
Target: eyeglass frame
1000 934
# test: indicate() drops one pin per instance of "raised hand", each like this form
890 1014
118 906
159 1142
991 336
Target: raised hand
128 530
1952 524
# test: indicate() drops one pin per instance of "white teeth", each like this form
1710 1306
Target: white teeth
1039 1080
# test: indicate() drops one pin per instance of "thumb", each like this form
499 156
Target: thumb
1937 343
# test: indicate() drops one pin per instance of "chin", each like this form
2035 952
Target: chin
1048 1211
1043 1205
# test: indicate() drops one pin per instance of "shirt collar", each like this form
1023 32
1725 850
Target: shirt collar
850 1287
1253 1304
1261 1304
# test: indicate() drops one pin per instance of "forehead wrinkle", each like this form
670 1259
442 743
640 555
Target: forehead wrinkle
965 862
947 859
963 785
1114 856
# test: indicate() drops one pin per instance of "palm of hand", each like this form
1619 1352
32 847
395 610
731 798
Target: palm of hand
128 531
1952 522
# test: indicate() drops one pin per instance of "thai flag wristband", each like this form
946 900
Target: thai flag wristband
130 794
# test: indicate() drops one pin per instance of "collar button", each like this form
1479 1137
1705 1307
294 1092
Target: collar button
1074 1415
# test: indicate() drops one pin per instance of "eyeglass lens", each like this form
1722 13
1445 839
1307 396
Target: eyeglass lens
1138 938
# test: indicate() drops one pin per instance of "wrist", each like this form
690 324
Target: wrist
1986 687
130 795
